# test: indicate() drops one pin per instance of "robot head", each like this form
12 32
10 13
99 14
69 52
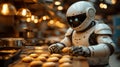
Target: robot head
80 15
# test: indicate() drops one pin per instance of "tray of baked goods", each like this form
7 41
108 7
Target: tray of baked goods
9 55
42 58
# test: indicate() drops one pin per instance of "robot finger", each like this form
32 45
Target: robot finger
51 50
56 50
79 49
74 48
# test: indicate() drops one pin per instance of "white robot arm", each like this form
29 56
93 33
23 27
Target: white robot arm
105 43
57 47
68 36
105 47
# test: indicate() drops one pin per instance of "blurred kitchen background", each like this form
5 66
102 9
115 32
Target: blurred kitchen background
39 19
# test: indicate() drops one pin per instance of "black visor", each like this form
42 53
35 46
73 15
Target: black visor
76 20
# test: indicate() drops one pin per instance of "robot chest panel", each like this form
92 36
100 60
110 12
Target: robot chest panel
81 38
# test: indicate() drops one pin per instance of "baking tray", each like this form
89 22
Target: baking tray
7 56
76 61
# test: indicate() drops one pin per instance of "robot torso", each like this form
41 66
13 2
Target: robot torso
82 38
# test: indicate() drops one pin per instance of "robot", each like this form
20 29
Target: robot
86 36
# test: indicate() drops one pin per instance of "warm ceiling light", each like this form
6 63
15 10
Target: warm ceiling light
59 24
7 9
113 1
24 12
103 6
46 17
60 7
51 22
57 2
28 19
34 19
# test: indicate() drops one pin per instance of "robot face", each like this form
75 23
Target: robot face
75 21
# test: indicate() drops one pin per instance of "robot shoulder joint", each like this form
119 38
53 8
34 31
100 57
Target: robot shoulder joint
102 28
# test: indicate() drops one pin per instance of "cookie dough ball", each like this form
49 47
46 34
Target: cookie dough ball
66 49
45 55
41 58
49 64
38 51
33 55
39 48
67 56
63 60
66 64
56 55
27 59
45 47
53 59
36 64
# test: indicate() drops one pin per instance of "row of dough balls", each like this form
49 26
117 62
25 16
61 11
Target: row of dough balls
49 64
48 60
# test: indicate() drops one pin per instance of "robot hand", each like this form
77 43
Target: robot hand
80 51
55 48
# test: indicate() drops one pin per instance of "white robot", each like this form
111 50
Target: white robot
86 36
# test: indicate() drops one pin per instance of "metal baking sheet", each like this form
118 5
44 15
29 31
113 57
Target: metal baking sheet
7 56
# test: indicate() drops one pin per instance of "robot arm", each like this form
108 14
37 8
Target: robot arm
105 46
57 47
68 36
